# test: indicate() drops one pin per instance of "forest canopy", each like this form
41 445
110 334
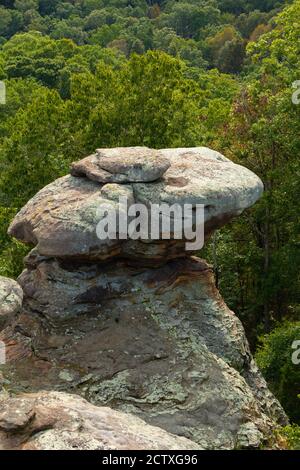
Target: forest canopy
202 32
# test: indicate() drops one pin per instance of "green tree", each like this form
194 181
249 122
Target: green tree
25 5
277 357
187 19
263 134
148 101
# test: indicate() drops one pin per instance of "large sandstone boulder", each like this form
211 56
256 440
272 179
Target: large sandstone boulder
58 421
61 219
11 297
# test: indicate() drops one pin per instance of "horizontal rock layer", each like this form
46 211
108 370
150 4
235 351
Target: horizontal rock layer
58 421
61 219
122 165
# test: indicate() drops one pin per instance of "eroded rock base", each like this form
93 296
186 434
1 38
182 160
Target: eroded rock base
157 343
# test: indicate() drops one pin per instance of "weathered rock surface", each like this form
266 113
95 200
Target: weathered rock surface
158 343
61 219
58 421
11 297
122 165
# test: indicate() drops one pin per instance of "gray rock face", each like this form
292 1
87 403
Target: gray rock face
58 421
122 165
11 297
203 176
158 343
61 219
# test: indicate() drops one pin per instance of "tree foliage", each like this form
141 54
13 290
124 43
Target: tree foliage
275 360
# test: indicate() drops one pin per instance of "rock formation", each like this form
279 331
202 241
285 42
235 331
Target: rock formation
122 165
58 421
137 325
61 219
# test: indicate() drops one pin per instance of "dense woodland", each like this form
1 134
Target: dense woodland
83 74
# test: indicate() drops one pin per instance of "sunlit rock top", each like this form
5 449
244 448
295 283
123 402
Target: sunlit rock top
61 219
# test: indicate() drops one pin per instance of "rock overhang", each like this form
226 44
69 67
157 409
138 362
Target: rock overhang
61 219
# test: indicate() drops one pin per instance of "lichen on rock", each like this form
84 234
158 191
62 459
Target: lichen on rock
132 325
11 296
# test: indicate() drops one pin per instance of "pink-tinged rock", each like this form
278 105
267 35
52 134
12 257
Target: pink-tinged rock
122 165
59 421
